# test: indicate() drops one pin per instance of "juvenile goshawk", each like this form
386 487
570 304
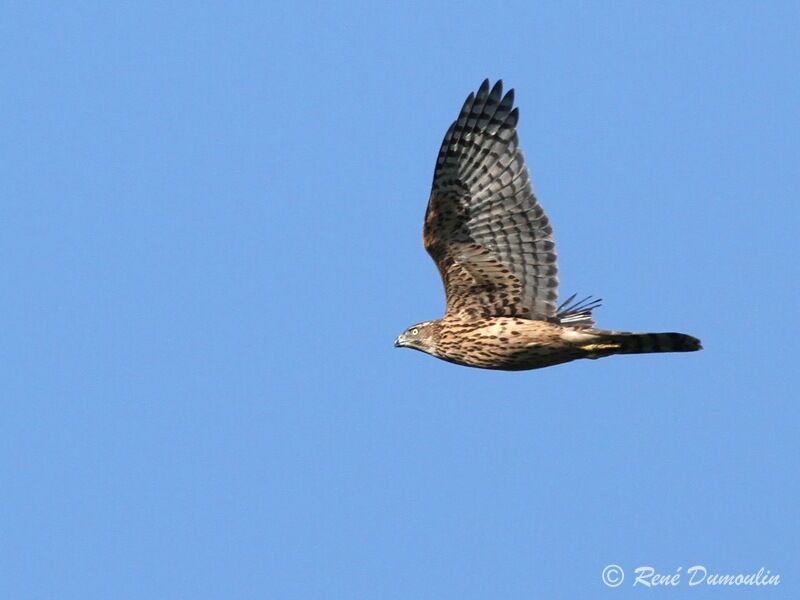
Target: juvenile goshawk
493 246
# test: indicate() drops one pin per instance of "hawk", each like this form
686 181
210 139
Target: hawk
493 246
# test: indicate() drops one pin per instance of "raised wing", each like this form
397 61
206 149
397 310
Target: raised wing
490 239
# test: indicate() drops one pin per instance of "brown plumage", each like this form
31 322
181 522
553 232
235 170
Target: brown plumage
493 246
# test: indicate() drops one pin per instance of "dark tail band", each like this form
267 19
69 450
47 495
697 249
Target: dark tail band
645 343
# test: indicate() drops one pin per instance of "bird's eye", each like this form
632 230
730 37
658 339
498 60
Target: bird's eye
414 331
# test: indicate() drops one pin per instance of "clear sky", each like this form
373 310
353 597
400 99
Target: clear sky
211 219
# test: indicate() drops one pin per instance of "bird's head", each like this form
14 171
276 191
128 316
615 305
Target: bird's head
421 336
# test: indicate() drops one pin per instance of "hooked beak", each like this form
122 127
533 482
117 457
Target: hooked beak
398 341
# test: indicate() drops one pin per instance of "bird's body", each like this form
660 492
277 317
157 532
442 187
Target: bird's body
515 344
493 246
507 343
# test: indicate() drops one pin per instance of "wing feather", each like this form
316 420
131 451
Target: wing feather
484 228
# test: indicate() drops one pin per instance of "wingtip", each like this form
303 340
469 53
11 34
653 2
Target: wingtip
509 98
497 90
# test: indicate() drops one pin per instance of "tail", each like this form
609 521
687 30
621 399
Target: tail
605 343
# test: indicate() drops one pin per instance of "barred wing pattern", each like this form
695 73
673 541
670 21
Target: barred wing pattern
490 239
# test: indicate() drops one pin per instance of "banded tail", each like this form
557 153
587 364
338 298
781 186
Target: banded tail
598 342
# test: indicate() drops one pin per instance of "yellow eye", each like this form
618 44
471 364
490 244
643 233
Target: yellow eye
414 331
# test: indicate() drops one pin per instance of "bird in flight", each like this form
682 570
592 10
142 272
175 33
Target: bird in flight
493 246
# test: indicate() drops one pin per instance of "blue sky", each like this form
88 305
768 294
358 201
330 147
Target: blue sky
211 235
